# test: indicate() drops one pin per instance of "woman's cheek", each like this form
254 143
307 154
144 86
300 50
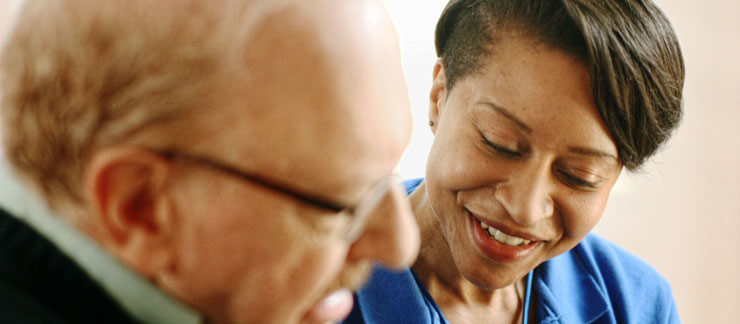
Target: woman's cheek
582 214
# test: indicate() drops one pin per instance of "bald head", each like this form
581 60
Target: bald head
310 65
98 77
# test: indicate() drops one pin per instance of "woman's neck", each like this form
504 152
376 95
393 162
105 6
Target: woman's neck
460 300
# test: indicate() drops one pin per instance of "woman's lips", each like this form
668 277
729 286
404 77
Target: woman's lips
498 245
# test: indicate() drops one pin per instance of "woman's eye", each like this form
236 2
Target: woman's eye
577 181
499 148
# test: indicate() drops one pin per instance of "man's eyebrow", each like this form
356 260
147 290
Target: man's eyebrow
593 152
504 112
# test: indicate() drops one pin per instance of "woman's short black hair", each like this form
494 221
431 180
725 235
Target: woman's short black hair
629 47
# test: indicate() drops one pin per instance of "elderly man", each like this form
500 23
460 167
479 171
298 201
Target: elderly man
234 154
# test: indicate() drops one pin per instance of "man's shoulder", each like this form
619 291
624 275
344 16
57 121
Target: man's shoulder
393 296
632 289
40 284
19 301
17 306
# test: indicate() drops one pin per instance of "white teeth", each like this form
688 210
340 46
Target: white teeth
512 240
504 238
501 237
484 225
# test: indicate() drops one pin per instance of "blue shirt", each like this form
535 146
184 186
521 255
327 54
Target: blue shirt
595 282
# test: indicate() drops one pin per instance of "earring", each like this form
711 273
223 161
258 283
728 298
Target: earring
431 123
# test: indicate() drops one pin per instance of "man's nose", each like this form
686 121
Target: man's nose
391 235
526 194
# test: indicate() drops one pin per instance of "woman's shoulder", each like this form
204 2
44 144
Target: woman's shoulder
605 256
412 184
599 271
392 296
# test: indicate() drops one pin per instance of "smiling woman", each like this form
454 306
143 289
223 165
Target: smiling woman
535 107
530 159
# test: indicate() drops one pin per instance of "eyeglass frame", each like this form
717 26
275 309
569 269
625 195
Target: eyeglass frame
358 214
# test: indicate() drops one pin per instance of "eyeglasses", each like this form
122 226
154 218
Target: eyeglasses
355 217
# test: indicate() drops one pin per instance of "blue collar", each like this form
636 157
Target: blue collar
399 297
567 291
394 297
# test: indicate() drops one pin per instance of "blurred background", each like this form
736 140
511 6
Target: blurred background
680 213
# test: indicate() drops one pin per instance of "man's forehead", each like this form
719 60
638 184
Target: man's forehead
300 110
321 147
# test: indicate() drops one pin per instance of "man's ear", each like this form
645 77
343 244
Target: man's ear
126 188
437 95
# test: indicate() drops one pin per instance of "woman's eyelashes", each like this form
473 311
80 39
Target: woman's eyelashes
500 149
566 175
577 182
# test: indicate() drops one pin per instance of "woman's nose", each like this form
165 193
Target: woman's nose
391 236
526 194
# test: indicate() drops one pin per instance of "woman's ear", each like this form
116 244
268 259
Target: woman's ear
126 188
437 95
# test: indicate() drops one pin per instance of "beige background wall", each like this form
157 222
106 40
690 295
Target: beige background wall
682 213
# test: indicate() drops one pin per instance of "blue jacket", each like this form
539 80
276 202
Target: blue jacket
595 282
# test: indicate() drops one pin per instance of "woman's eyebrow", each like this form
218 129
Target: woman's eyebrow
509 115
521 125
593 152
